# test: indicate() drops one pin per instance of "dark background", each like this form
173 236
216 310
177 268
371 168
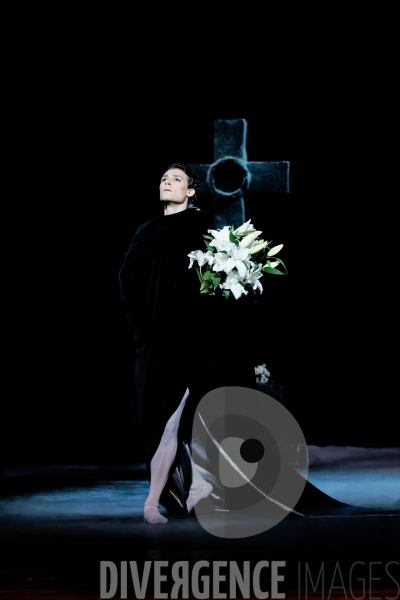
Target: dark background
92 128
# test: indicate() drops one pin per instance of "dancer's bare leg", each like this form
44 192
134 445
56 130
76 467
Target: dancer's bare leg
161 464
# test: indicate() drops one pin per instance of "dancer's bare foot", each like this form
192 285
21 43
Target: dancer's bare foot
152 514
198 494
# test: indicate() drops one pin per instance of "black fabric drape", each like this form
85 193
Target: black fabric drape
183 339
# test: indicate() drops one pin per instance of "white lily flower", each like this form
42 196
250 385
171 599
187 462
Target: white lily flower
227 262
237 290
234 283
221 245
201 257
221 237
248 226
248 239
253 278
220 259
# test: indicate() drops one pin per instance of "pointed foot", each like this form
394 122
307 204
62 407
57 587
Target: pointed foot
198 494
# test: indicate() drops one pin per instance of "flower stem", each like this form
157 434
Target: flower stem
198 271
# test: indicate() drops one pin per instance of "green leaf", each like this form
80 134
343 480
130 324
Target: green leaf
207 275
206 287
272 271
216 280
208 246
226 293
232 237
208 237
282 263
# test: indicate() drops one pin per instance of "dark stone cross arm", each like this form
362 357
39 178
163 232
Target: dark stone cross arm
269 176
264 176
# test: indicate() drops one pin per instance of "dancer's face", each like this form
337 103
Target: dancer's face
174 189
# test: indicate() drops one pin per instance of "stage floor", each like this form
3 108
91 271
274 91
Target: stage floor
58 522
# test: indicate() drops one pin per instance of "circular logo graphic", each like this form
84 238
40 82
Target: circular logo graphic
244 442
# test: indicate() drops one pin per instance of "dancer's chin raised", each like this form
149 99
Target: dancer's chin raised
198 494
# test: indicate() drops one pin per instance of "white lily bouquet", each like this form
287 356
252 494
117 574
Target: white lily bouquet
235 261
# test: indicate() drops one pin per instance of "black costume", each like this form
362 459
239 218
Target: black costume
183 339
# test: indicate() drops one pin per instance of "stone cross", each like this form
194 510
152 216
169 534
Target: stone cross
231 175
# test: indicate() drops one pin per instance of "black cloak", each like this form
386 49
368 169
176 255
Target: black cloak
183 339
